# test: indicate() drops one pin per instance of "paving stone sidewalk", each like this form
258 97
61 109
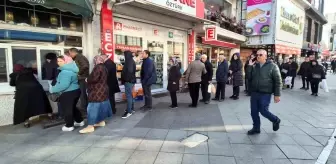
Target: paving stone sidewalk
154 137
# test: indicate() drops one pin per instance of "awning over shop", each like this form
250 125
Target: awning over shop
219 43
281 49
78 7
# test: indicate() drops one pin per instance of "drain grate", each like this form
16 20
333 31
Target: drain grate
194 140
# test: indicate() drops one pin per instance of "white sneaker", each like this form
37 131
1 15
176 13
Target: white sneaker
126 115
79 124
67 129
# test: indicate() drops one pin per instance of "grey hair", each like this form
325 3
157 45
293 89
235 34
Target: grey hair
204 56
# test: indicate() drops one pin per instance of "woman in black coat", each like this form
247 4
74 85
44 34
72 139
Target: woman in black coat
173 81
26 105
315 75
236 75
112 82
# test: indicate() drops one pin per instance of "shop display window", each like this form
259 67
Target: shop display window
175 49
25 57
156 50
131 43
3 65
23 14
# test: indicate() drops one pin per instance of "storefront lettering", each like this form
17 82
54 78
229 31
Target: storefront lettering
285 26
37 1
290 16
178 4
108 42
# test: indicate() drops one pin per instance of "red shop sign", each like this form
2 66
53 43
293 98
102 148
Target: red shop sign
191 46
127 47
107 30
210 34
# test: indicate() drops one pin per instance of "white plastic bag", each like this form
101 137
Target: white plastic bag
288 80
209 88
324 85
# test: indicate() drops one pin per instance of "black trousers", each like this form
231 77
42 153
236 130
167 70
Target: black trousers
68 102
220 90
83 97
205 94
236 90
113 103
148 95
246 84
314 86
305 82
194 92
293 81
173 98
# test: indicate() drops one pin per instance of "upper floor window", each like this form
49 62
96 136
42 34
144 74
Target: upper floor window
218 6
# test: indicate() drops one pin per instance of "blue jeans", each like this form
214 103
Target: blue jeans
260 104
129 96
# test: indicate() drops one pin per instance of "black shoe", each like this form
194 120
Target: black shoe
215 99
302 88
276 125
201 100
313 94
173 107
126 115
206 102
292 87
221 100
235 98
143 108
192 106
316 94
307 89
231 97
253 132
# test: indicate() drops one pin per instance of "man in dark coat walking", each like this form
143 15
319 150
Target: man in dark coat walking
221 78
84 68
293 67
303 72
148 77
206 80
112 82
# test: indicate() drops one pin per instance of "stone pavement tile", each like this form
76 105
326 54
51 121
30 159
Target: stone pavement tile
29 161
235 128
150 145
221 160
91 155
276 161
172 147
332 156
9 160
269 151
199 149
195 159
282 139
284 130
237 138
21 150
176 135
43 139
240 160
314 151
261 139
301 123
128 143
16 138
65 139
137 132
43 152
48 162
219 147
4 147
295 151
157 134
317 131
107 141
85 140
66 154
245 151
116 156
301 161
331 162
219 136
305 140
142 157
168 158
323 140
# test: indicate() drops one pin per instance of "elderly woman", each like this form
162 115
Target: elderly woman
236 73
174 77
99 107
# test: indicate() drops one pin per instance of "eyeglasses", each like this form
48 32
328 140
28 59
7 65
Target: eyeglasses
260 54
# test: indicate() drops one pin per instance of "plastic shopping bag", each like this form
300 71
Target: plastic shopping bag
324 85
288 80
211 89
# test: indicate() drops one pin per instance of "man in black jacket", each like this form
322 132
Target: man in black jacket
293 70
253 57
265 80
221 78
128 79
148 77
303 72
112 82
84 68
206 79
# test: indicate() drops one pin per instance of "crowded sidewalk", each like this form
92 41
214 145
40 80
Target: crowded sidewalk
155 137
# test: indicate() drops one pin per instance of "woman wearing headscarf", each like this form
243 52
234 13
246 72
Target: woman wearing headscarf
26 105
99 107
236 74
68 88
174 77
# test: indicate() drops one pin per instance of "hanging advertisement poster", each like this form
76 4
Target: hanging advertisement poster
258 17
289 23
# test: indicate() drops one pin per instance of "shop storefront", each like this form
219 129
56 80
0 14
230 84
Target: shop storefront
310 49
31 29
166 31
